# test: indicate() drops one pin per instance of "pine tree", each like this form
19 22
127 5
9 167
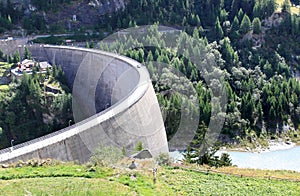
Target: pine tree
257 10
27 54
271 7
218 30
256 26
260 112
240 14
197 21
228 54
234 30
16 57
235 6
247 6
286 6
245 25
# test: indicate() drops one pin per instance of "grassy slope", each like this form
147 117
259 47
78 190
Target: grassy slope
79 180
62 186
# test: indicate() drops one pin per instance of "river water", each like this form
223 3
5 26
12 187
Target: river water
288 159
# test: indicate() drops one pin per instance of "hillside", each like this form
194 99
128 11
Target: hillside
56 15
70 179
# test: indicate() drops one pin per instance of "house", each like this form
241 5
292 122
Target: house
26 66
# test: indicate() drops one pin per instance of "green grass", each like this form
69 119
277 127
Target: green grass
194 183
79 180
4 88
62 186
4 67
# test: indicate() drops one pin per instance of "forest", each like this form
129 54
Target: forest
254 45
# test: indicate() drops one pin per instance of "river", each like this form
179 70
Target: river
288 159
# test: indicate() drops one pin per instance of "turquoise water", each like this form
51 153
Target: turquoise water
275 160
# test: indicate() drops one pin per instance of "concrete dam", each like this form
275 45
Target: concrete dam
114 104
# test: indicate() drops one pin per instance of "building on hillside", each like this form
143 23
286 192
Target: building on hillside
27 66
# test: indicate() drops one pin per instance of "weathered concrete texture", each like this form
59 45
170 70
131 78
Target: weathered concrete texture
114 103
10 46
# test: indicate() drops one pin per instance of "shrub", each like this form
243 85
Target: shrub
124 151
139 146
163 159
225 160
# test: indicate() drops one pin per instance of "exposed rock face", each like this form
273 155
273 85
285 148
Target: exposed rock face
86 12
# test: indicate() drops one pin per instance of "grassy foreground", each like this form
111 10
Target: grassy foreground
71 179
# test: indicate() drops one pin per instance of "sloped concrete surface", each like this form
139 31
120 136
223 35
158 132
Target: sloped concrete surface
114 103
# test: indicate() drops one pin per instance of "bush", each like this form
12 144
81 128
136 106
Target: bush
106 155
139 146
163 159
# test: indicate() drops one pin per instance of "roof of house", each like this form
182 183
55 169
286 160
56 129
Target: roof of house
26 61
44 65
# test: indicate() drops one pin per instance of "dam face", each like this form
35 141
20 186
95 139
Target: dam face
114 104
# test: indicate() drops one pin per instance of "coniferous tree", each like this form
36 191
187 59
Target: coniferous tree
257 9
235 8
240 14
227 53
218 30
16 57
27 54
245 25
286 6
256 26
234 30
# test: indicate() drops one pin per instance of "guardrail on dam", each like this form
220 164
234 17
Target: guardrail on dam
114 103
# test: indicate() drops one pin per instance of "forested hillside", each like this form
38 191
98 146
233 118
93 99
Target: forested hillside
256 47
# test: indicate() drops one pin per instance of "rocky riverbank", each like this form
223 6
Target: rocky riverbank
273 145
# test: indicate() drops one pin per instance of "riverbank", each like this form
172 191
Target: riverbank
273 145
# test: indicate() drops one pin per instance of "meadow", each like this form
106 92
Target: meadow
72 179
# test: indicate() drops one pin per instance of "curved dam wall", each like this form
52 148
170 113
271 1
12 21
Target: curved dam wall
114 103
